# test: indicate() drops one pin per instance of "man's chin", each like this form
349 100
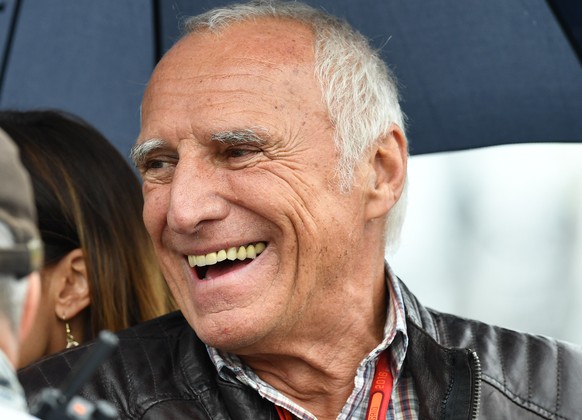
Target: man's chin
227 335
231 343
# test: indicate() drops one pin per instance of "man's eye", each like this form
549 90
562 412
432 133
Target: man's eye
239 152
155 164
157 169
152 165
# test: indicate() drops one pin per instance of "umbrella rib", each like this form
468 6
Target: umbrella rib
9 40
568 15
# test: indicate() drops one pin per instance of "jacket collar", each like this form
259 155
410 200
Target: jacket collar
447 380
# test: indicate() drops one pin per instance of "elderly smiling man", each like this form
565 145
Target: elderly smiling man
274 159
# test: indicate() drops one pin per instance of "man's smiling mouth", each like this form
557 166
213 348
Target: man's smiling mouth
224 257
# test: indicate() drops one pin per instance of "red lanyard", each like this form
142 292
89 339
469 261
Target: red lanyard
283 414
379 393
381 390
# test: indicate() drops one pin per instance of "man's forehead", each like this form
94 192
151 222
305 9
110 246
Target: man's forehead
241 51
266 37
200 88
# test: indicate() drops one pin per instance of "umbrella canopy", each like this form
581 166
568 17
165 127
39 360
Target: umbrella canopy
92 58
472 73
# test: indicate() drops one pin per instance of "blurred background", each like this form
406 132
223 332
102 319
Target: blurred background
495 234
493 94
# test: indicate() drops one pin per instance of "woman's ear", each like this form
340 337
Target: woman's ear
73 293
388 163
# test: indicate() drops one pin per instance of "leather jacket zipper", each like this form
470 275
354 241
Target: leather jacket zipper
476 384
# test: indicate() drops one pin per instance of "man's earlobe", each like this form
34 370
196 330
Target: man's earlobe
388 163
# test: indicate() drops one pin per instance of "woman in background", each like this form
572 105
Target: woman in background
100 270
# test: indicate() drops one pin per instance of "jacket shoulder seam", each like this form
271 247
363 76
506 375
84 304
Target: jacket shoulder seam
520 401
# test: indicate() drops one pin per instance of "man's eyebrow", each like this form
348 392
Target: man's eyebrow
139 152
256 135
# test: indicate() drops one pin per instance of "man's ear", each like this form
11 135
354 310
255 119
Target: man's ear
31 303
388 163
73 293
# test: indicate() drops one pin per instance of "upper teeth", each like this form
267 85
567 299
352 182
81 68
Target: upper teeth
241 253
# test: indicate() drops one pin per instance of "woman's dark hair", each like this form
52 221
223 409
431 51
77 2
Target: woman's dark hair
87 196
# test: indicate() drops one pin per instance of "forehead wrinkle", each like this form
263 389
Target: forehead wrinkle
224 72
229 89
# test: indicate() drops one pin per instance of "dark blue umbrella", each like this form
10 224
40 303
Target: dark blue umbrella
92 58
473 73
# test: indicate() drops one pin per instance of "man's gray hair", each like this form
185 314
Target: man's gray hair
12 289
358 88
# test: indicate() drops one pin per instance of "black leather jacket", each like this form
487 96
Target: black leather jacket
462 369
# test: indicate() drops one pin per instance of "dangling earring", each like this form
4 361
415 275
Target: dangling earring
70 339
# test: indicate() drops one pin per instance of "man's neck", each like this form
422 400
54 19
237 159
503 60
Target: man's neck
316 370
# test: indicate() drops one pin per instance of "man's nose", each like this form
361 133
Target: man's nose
196 197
